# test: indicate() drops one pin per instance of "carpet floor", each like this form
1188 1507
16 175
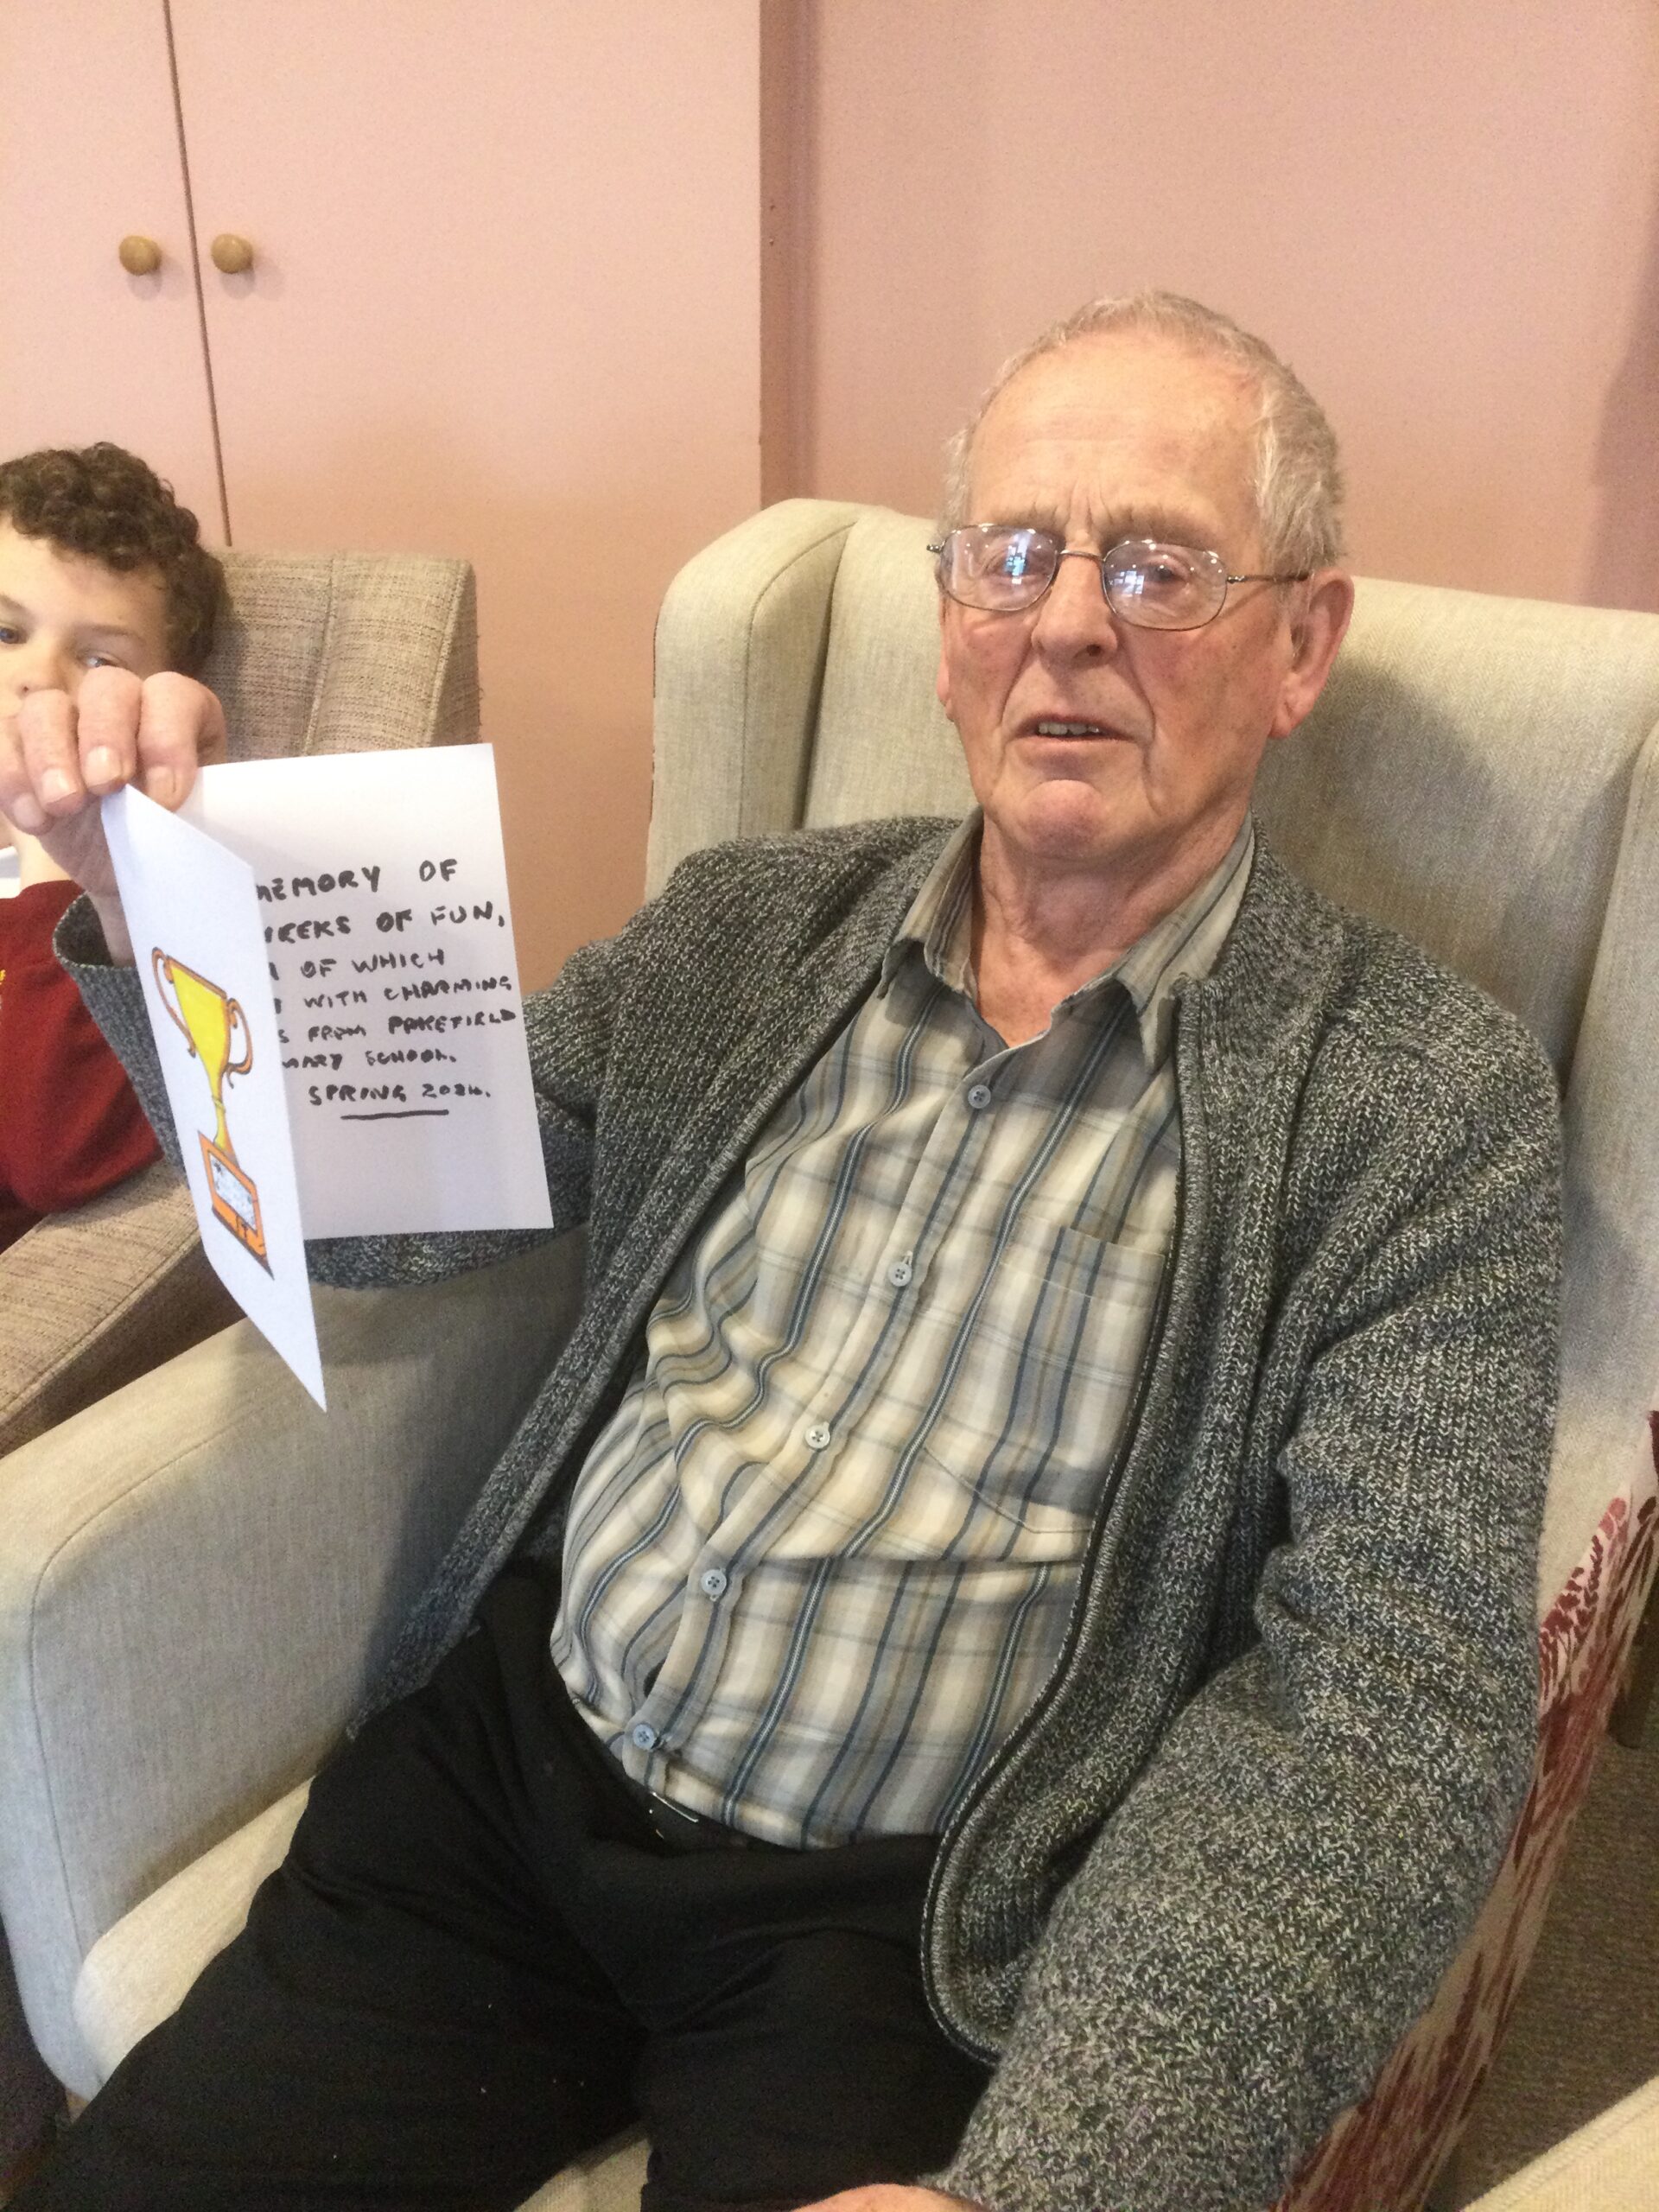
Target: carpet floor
1585 2031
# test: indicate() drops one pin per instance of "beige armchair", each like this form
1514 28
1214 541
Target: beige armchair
337 653
1484 773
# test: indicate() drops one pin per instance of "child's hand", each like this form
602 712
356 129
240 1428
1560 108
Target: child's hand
58 756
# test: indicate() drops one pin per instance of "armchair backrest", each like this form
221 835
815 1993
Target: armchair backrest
1482 774
345 653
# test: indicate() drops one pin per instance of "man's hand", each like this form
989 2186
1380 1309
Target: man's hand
58 756
890 2197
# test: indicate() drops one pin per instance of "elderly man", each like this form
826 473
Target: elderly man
1000 1663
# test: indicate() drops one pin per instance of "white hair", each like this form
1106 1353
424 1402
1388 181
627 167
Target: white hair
1297 476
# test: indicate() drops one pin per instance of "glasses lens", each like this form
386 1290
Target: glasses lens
1164 586
992 565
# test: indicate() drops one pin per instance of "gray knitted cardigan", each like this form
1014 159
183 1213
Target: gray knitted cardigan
1215 1872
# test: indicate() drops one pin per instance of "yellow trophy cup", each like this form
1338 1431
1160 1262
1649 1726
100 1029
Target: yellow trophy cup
208 1019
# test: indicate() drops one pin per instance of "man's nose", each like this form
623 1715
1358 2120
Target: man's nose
1073 617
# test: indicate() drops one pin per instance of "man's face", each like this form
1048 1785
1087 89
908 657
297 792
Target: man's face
62 614
1117 437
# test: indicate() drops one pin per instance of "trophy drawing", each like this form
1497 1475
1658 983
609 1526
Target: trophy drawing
208 1018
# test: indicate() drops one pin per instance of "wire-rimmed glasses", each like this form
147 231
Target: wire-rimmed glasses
1002 569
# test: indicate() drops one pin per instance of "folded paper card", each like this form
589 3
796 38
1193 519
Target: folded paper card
382 898
194 923
374 886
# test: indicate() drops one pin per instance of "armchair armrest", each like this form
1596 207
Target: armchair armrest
88 1300
200 1575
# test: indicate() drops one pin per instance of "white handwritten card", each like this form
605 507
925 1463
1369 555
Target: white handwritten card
197 937
381 891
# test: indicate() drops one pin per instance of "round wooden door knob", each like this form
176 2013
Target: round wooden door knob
140 257
231 255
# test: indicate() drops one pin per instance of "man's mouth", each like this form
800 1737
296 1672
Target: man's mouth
1050 727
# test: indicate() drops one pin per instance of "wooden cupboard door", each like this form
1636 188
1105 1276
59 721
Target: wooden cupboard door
89 155
504 303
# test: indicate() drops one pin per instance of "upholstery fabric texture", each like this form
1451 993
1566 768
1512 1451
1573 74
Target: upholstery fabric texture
90 1299
345 653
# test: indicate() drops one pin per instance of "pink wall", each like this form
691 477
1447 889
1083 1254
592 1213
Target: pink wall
553 270
508 307
1447 217
505 303
89 155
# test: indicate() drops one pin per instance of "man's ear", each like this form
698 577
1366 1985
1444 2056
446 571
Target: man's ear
942 681
1317 629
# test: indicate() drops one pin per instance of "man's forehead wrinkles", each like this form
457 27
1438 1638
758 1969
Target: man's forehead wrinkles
1095 503
1141 441
1108 525
1089 488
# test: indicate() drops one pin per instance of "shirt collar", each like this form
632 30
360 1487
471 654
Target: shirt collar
1185 944
939 925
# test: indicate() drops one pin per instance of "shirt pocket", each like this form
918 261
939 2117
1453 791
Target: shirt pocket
1052 1349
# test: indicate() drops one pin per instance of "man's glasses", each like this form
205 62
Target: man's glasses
1004 570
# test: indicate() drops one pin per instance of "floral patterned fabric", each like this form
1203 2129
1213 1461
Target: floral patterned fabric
1382 2155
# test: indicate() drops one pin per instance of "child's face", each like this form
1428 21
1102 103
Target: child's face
62 614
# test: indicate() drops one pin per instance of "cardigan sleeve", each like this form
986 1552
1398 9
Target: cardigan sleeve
1273 1901
567 1031
70 1126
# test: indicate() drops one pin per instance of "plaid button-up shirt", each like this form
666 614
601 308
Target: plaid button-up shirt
821 1557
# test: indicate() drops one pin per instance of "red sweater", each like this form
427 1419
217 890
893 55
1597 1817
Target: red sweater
69 1124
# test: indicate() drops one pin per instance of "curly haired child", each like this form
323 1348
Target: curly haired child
99 564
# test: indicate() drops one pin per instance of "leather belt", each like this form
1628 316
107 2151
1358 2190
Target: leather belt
685 1831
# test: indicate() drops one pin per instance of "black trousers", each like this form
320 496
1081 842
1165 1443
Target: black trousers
479 1960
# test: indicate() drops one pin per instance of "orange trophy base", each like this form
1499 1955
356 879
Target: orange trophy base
236 1202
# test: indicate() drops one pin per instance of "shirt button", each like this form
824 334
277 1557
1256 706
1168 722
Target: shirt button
899 1273
980 1096
712 1582
644 1734
818 1435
